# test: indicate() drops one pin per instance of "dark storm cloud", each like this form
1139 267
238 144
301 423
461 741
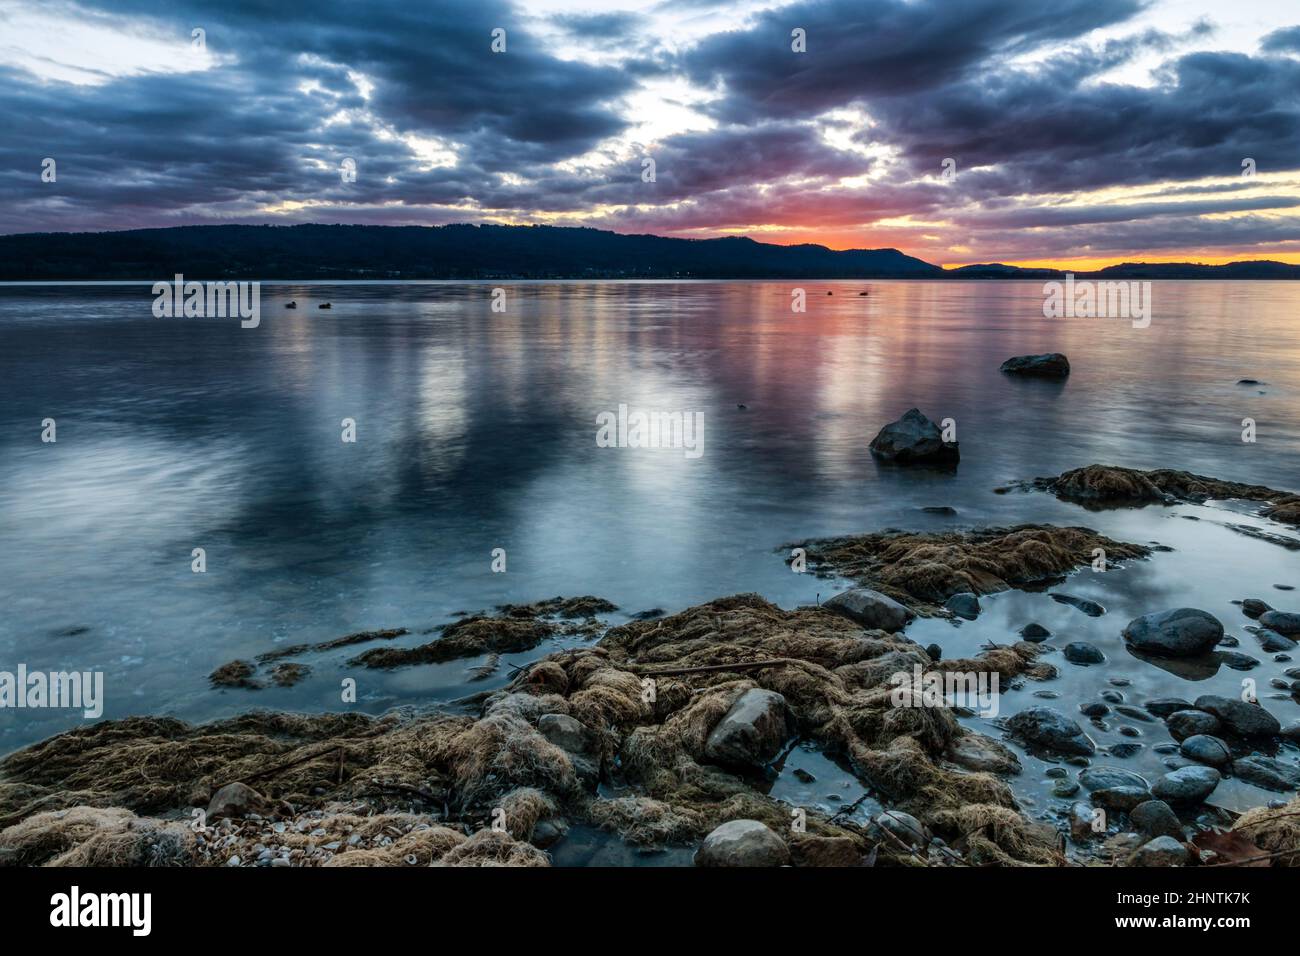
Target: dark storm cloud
1010 89
860 50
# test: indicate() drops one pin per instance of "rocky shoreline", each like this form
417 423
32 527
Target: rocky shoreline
667 731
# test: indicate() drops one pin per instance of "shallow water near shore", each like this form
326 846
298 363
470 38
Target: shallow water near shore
476 430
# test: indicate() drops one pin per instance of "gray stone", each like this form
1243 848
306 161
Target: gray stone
1273 642
1035 633
1094 709
236 800
752 732
974 751
870 609
1081 652
1267 772
1090 608
914 439
1181 632
1106 778
1284 622
568 734
965 605
742 843
1206 749
1162 851
1187 785
1154 818
1046 365
1051 730
1247 720
904 826
1187 723
1254 607
1081 817
1120 798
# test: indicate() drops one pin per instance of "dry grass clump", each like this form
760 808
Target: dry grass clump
640 692
469 637
1274 830
93 836
931 567
494 848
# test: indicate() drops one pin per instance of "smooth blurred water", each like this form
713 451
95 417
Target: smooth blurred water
476 430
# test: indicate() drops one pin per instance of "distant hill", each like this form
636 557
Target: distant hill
428 252
498 252
1256 269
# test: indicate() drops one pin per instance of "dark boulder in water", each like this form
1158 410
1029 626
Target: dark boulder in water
1047 365
1051 730
914 439
1180 632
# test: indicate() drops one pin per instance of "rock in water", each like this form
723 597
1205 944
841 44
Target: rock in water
1051 730
1246 720
914 439
1188 723
1206 749
1047 365
1254 607
965 605
1035 633
1162 851
1284 622
752 732
1181 632
1187 785
1267 772
1081 652
870 609
742 843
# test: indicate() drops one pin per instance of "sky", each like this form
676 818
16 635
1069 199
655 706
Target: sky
1070 132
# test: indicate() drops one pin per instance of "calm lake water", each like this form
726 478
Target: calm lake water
476 430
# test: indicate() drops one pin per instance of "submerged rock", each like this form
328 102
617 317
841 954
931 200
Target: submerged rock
1090 608
752 732
871 609
1181 632
742 843
1035 633
1046 365
1051 730
1164 706
914 439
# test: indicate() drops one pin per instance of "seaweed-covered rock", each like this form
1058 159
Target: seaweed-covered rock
1181 632
914 439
